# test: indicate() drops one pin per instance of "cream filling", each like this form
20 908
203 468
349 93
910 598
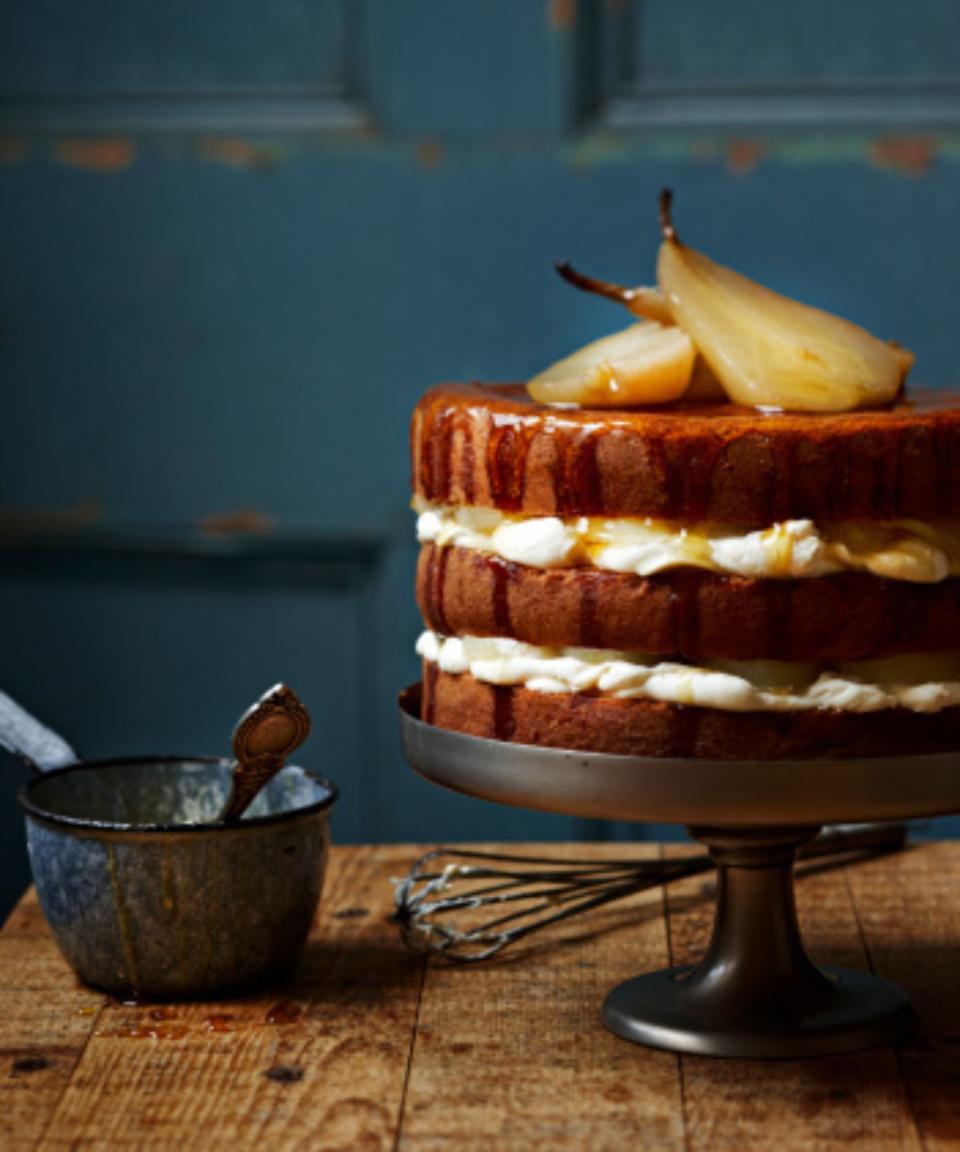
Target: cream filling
924 683
897 550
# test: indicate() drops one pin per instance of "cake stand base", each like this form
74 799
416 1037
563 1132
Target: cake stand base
757 994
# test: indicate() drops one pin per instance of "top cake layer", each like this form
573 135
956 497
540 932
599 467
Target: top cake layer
491 445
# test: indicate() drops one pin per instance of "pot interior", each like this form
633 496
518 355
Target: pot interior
165 792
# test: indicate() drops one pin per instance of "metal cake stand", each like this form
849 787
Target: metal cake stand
756 993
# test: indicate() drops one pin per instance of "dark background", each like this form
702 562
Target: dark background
240 238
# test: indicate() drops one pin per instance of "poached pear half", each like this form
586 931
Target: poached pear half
643 364
767 350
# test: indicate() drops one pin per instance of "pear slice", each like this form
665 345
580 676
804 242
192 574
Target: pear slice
768 350
641 301
643 364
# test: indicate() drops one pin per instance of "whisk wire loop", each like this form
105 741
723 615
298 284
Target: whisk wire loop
441 905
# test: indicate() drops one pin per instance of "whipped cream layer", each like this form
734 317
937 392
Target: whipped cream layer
922 683
897 550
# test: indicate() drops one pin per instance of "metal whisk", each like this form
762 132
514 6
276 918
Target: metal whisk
443 904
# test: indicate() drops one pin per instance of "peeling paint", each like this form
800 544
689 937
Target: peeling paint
597 148
13 150
561 14
429 153
104 154
704 150
237 521
83 514
744 155
602 146
238 153
812 148
910 155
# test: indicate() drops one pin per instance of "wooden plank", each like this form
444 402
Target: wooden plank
507 1055
910 918
26 917
842 1101
326 1064
45 1018
511 1054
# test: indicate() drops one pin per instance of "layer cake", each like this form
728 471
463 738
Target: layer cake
699 579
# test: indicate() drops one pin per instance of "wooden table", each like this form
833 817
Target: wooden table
369 1046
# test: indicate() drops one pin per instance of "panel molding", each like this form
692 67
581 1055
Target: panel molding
336 107
613 93
638 106
321 562
286 111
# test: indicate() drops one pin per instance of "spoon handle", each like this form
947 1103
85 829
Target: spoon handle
264 737
29 740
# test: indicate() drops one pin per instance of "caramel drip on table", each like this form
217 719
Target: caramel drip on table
284 1012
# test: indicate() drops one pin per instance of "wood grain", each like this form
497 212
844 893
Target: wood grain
511 1054
45 1020
909 916
835 1103
330 1073
367 1046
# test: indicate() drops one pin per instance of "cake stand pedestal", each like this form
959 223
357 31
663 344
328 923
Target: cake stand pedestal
756 993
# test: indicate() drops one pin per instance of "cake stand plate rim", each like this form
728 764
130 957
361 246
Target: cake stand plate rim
727 793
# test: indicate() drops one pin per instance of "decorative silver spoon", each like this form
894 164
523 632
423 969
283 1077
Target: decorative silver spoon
263 739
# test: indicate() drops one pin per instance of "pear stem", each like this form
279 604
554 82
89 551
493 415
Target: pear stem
641 301
590 284
666 219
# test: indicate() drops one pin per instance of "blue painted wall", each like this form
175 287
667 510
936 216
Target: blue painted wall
241 239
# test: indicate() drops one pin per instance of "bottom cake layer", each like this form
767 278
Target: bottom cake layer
638 727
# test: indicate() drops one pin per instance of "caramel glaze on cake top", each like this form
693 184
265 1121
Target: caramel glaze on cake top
493 446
